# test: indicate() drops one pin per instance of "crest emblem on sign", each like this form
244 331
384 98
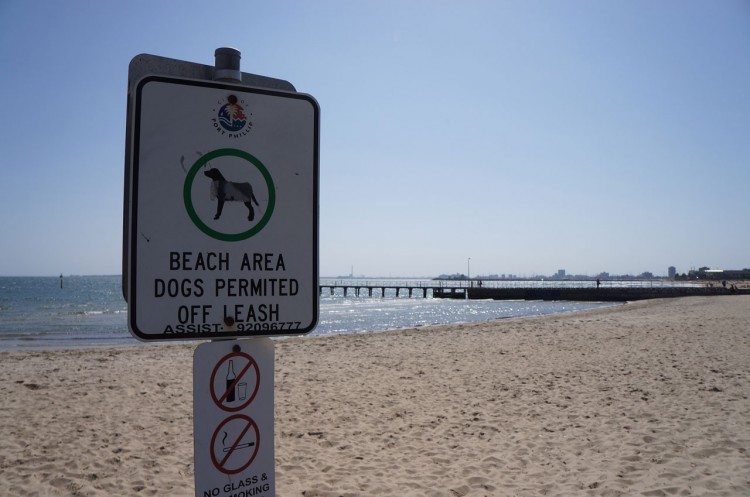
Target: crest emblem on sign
231 118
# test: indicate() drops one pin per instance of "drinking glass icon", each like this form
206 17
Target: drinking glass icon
242 390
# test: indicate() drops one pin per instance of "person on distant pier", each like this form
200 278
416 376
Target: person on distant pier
598 282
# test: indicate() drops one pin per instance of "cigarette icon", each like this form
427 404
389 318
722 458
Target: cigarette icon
241 446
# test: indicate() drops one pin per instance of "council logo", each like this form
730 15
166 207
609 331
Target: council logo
231 118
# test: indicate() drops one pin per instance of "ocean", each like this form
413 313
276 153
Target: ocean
90 311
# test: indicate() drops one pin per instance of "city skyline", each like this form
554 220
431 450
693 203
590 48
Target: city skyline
560 274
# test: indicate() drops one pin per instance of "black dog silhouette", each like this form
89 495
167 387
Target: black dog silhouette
229 191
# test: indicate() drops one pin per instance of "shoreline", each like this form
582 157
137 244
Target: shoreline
647 398
400 313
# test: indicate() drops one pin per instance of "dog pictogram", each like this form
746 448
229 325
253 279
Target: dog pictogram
230 191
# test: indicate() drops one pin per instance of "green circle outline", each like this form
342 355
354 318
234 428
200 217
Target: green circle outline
187 191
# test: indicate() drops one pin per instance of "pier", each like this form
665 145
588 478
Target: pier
461 290
379 290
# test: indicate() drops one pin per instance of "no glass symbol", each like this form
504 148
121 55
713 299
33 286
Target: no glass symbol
235 380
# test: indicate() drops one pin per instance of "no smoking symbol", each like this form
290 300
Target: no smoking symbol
235 381
235 444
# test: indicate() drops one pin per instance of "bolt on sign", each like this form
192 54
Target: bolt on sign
223 211
233 418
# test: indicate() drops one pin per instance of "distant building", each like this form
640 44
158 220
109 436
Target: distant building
705 273
672 272
560 274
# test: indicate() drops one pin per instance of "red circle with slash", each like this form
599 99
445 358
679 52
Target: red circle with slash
247 428
221 399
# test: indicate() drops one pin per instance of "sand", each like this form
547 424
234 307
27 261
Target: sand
649 398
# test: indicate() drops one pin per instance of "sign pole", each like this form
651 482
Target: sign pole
220 478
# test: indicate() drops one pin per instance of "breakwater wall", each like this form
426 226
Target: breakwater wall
584 294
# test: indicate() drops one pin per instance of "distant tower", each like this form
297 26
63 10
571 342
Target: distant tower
672 271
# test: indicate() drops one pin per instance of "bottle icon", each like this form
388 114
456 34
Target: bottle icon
230 381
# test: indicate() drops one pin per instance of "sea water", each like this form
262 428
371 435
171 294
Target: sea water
90 311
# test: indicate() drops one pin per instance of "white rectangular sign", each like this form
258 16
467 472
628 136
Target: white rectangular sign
223 234
233 418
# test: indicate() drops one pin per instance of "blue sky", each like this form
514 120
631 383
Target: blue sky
529 136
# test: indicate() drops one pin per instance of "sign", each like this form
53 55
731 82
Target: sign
233 418
223 211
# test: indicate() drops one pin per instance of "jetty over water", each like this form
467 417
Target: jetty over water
585 292
391 289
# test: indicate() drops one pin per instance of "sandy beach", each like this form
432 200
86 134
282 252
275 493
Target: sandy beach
649 398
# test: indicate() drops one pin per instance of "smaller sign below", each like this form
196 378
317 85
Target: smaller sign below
233 418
